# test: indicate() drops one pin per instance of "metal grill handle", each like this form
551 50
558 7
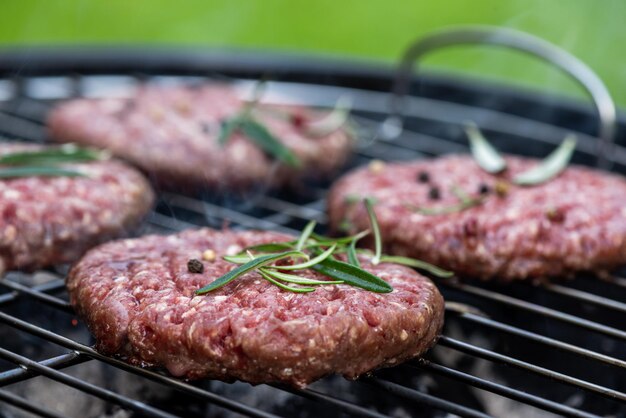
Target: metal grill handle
532 45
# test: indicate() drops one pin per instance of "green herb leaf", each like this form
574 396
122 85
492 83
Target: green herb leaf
247 267
292 278
378 243
552 165
484 153
241 258
318 259
461 194
353 276
306 233
466 202
331 122
49 156
326 241
444 210
418 264
268 276
268 142
38 171
269 248
352 257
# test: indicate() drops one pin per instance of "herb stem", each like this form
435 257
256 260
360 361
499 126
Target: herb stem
267 276
378 244
306 233
318 259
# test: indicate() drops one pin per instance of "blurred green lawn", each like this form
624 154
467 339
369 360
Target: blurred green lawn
595 31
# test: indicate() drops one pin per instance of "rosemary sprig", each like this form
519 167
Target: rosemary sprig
318 259
352 275
37 171
552 165
306 233
489 160
253 264
331 122
322 261
352 256
484 153
465 202
44 162
54 155
245 122
267 275
378 242
418 264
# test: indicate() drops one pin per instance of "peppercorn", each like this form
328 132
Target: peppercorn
555 215
501 188
484 189
434 193
423 177
195 266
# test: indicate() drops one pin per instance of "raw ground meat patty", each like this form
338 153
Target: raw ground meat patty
51 220
171 133
574 222
137 297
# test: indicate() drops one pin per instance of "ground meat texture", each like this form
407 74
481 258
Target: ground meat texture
171 133
51 220
575 222
137 297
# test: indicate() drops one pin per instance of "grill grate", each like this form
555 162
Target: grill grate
566 359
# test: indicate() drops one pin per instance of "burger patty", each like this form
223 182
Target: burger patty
574 222
172 134
50 220
137 297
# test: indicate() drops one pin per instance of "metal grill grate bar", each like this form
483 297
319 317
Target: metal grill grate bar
86 387
43 297
59 362
500 358
48 286
331 400
587 297
24 404
541 310
510 393
551 342
425 398
171 382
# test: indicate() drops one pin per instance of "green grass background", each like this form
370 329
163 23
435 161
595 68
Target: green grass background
594 31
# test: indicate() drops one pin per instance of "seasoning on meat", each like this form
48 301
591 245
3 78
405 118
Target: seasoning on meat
172 134
516 232
434 193
137 297
53 220
195 266
423 177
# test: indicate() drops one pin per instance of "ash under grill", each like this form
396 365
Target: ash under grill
507 350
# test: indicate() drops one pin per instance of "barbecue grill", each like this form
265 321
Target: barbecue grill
519 349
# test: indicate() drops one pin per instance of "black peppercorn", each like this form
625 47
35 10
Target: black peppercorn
423 177
484 189
195 266
434 193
